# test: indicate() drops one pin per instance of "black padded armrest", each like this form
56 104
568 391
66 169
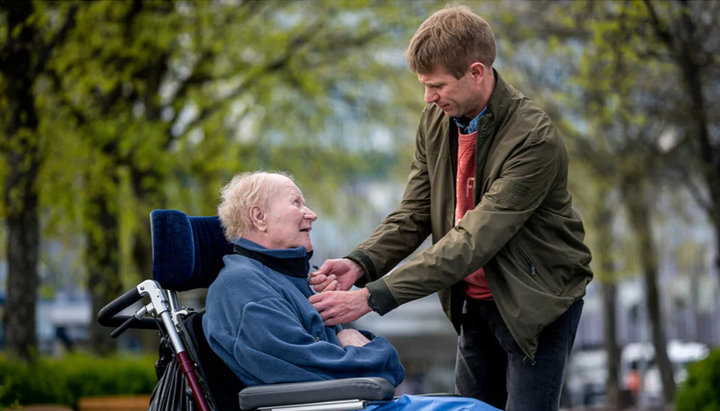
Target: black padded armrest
362 388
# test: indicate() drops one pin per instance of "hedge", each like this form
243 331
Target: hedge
701 389
65 380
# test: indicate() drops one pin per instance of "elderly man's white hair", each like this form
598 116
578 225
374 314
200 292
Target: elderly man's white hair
240 195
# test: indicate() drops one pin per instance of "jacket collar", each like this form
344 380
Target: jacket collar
294 262
502 97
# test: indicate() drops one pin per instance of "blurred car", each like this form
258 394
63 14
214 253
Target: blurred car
586 378
640 356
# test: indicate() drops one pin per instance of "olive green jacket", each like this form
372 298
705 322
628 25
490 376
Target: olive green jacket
523 230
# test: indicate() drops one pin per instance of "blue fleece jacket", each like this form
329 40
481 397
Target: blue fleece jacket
259 321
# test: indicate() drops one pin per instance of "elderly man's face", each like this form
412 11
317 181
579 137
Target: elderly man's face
289 220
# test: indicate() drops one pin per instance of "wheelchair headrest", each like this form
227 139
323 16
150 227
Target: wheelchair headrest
187 251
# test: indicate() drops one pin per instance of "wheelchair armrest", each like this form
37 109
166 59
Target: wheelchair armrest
362 388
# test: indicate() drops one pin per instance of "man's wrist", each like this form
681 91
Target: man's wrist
367 268
356 268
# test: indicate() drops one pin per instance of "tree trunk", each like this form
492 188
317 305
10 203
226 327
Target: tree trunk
103 265
608 290
639 214
22 153
23 245
709 153
605 274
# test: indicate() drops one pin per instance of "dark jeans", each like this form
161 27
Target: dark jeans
491 366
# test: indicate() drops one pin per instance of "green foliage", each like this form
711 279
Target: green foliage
701 390
65 380
146 105
167 97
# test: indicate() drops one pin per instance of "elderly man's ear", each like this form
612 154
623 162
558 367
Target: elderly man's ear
257 215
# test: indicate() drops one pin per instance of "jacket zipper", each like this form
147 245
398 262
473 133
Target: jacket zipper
533 271
529 261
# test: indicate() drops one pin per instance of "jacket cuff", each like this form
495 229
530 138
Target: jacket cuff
383 299
367 265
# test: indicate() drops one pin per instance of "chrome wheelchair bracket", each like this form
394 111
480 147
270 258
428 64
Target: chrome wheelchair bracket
158 302
175 309
160 307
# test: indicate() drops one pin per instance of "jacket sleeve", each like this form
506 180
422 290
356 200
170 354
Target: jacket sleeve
405 229
523 183
273 346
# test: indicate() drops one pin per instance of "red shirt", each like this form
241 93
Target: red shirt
476 283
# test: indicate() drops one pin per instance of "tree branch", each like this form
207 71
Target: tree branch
58 38
658 27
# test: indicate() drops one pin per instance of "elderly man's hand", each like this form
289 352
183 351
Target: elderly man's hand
348 336
342 270
341 307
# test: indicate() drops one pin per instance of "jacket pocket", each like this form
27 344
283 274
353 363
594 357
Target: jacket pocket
537 274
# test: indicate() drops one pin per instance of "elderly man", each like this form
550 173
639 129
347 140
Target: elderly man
258 319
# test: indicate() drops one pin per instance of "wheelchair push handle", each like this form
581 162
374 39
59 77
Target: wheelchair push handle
108 316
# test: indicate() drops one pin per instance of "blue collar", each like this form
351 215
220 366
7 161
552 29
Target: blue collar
294 262
467 126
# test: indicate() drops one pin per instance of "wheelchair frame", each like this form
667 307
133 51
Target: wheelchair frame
202 238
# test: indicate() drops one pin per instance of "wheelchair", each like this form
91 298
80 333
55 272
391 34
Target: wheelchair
187 254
